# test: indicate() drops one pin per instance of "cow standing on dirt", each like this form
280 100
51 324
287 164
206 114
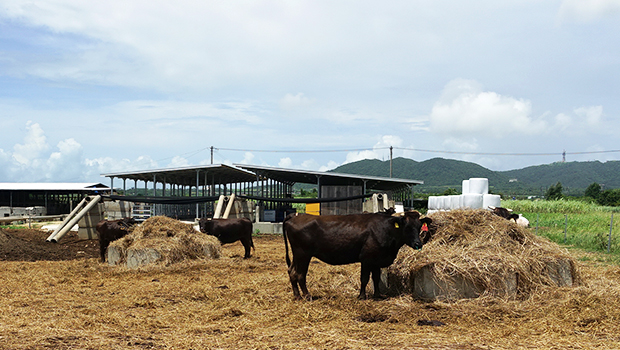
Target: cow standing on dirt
111 230
229 231
372 239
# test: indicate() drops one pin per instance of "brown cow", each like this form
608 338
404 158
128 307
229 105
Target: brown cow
109 231
229 231
372 239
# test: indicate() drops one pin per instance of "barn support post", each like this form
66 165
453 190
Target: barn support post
319 192
154 185
197 187
111 185
124 186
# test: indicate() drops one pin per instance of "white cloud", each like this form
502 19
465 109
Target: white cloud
67 163
563 122
592 115
380 150
34 145
588 10
330 166
291 102
178 162
464 110
248 157
285 162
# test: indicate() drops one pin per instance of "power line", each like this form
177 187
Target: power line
301 151
420 150
193 153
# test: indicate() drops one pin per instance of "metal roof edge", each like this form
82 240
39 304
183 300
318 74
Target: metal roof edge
325 173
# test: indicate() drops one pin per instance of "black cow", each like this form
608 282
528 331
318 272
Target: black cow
229 231
111 230
372 239
504 213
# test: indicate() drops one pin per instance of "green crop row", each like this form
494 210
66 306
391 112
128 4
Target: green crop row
574 223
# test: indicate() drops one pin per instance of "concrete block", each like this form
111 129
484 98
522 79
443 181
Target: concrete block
560 272
87 233
141 257
268 227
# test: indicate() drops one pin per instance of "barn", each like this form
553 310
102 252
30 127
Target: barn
44 198
191 192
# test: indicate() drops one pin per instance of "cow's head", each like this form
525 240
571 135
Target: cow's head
412 226
206 225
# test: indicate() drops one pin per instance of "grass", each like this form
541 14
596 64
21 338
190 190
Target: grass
574 223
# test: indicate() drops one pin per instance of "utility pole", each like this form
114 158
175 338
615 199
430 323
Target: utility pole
391 160
211 154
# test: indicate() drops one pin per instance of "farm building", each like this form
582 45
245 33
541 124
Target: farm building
44 198
191 192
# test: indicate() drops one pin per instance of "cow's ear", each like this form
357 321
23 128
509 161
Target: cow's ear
396 222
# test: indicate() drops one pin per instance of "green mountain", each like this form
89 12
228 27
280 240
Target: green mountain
440 174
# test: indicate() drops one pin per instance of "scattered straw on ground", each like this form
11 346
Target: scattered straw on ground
488 252
236 303
173 240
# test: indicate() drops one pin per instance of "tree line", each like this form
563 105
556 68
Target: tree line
594 192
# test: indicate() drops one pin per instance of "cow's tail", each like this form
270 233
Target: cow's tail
288 260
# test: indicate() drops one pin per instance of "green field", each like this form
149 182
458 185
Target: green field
573 223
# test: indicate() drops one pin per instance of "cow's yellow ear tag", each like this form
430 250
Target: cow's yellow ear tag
396 225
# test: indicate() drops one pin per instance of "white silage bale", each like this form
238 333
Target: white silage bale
432 203
472 201
440 202
465 187
491 200
479 185
455 202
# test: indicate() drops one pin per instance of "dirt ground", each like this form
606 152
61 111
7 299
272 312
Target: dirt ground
59 296
30 245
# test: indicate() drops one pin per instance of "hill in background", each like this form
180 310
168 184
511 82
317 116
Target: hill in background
440 174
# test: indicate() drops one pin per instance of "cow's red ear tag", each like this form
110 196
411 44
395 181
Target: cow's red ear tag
424 227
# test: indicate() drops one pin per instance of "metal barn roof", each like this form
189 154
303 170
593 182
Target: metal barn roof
217 174
291 176
226 174
52 186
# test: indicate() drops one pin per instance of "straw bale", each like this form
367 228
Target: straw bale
473 253
165 241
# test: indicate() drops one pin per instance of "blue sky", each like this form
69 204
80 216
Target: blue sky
97 87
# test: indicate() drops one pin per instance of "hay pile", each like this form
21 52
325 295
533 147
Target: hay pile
164 241
474 253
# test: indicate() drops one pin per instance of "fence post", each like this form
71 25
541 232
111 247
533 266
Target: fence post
565 226
611 226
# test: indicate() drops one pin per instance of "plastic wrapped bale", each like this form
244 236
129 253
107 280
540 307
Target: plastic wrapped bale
162 240
472 253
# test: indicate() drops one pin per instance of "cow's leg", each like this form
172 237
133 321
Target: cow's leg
364 278
297 274
103 245
376 280
247 244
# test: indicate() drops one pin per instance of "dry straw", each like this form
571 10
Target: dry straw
172 240
473 252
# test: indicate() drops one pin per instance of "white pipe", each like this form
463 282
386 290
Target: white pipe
67 219
231 201
75 220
